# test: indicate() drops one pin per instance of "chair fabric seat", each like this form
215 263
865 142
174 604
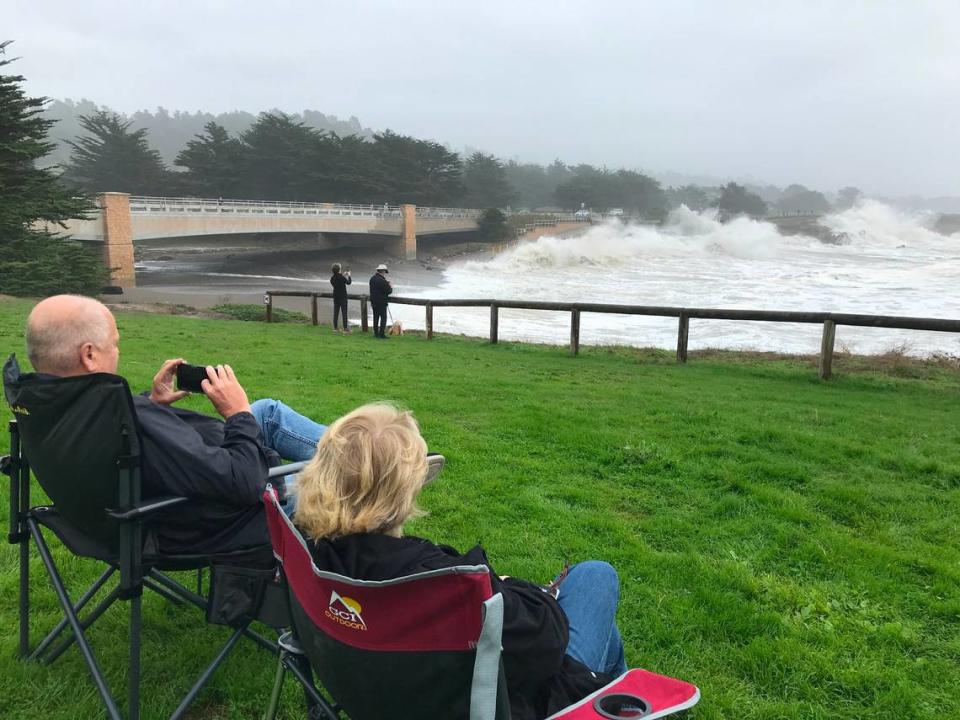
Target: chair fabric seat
84 545
77 542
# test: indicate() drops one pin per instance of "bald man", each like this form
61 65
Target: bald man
220 464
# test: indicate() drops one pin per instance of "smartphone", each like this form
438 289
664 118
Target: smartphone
189 377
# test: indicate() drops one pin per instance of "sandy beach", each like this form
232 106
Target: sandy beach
209 276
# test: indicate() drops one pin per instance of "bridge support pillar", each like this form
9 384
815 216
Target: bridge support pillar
118 238
406 246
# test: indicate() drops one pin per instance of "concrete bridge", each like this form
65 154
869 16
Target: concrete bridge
121 220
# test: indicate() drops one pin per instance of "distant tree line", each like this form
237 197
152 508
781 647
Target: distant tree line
735 199
170 130
279 157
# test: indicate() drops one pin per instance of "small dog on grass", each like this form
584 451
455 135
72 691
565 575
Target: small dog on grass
396 328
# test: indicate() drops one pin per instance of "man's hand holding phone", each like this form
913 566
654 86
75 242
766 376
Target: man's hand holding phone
218 383
225 392
162 391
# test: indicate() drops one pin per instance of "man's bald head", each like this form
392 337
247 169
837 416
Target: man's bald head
72 335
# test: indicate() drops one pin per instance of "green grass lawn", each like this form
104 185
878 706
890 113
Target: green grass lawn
791 546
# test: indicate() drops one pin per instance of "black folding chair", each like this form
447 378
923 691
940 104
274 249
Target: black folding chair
79 436
422 646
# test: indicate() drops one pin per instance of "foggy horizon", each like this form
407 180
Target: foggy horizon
827 96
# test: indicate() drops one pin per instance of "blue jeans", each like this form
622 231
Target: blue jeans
589 596
293 436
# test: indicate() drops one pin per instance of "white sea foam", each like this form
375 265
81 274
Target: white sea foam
886 263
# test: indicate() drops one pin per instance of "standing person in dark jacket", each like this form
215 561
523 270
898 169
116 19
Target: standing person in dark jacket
220 465
340 280
380 289
352 501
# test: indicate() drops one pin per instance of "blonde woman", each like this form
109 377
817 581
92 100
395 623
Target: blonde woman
353 500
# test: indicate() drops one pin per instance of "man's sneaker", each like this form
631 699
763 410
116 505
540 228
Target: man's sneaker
435 463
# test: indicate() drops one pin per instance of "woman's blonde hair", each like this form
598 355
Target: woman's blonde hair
365 477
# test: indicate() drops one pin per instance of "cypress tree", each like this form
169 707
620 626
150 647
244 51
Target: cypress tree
35 257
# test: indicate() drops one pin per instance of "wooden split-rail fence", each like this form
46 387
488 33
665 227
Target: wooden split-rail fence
828 320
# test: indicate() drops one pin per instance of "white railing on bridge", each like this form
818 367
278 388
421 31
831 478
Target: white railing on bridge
432 212
190 206
558 218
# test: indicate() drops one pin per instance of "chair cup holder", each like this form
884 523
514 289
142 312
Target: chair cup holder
621 706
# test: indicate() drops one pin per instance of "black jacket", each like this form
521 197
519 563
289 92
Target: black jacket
379 289
541 677
221 466
340 282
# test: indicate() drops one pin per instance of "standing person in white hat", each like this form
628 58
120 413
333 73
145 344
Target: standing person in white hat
380 289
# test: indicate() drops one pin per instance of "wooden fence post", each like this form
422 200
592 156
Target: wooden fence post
494 322
268 301
574 331
826 349
429 320
683 333
363 313
314 301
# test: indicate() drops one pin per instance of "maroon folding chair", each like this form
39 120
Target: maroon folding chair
422 646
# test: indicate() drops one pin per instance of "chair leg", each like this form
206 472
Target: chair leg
271 713
178 589
24 597
86 623
67 606
20 485
133 684
201 603
207 674
317 706
81 603
170 597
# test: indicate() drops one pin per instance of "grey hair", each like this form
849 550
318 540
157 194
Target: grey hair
336 268
53 344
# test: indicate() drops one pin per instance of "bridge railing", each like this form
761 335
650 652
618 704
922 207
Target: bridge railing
191 206
139 204
432 212
828 320
524 229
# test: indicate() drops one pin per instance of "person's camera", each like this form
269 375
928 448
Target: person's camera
189 377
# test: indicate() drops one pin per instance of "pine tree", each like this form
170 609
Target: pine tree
486 181
35 259
214 163
417 171
280 159
737 200
492 225
111 158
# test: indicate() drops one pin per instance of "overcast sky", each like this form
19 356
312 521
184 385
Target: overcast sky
822 92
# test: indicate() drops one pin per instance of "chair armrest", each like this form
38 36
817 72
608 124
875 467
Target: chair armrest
146 509
289 469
